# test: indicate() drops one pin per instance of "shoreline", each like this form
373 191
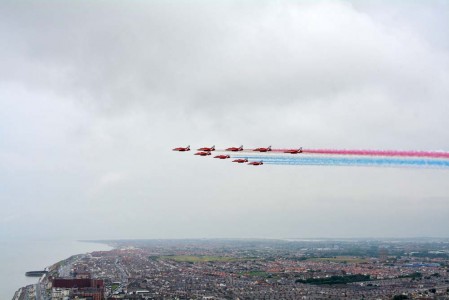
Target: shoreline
38 287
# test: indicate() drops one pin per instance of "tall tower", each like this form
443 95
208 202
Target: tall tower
383 254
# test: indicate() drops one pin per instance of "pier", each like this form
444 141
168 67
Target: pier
35 273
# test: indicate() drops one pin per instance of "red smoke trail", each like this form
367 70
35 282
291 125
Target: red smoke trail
430 154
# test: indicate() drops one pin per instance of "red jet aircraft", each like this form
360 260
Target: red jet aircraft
202 153
256 163
222 156
207 149
294 151
235 149
263 149
182 149
240 160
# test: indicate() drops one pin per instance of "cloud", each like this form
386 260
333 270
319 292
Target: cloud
94 95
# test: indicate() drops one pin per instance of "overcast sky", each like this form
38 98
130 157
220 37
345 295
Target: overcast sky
94 94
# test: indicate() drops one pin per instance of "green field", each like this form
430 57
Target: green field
257 274
114 287
342 259
197 258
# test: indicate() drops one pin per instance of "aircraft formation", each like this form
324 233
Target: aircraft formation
206 151
325 157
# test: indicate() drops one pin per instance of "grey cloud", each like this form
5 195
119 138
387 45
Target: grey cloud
205 55
94 94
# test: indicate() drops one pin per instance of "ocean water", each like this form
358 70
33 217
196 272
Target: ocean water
18 257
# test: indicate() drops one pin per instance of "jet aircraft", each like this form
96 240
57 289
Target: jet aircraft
256 163
294 151
235 149
263 149
182 149
207 149
202 153
222 156
240 160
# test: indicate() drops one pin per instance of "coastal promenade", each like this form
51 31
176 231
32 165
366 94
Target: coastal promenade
31 292
38 291
20 256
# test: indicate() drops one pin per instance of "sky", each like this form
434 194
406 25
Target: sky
95 94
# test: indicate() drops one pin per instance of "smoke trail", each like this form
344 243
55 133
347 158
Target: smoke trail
353 161
386 153
392 153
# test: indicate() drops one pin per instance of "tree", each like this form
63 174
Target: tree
400 297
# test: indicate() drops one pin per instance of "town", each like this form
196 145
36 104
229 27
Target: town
251 269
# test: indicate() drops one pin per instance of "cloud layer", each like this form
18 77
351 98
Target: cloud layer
94 94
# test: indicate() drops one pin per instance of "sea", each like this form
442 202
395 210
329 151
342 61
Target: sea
18 257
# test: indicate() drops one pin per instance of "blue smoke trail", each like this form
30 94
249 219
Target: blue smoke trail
351 161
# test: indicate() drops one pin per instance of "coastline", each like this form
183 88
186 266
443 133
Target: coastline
38 290
18 257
